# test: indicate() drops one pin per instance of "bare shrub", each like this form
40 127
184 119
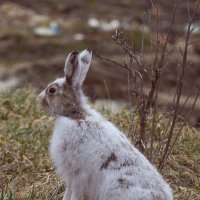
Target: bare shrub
140 73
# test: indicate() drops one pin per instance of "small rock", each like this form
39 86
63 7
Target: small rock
50 31
110 26
103 24
93 22
79 37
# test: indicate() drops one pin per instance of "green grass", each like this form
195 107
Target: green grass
26 171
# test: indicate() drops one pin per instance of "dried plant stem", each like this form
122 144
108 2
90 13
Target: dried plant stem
179 91
147 102
185 121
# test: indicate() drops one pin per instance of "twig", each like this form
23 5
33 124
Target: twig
111 61
179 132
179 91
123 44
196 41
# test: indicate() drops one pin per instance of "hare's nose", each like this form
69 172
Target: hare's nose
39 99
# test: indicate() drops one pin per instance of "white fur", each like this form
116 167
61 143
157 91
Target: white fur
60 81
80 148
84 56
95 159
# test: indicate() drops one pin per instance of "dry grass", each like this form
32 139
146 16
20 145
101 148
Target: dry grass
25 168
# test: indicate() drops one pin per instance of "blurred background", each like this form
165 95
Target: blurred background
35 39
36 36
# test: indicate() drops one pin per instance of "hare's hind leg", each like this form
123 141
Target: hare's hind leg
67 195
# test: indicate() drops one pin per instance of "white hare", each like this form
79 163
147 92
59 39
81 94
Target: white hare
94 159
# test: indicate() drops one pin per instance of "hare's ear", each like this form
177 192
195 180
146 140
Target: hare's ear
72 69
84 60
76 66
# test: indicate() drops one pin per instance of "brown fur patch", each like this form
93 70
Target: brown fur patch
125 184
129 173
126 163
65 101
85 60
111 158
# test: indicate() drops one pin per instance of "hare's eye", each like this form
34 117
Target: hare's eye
52 90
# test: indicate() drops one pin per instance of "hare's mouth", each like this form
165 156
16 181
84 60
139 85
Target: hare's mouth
42 104
45 109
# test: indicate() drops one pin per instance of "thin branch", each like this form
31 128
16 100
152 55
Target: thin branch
142 40
179 132
111 61
188 97
179 91
125 66
168 33
131 132
196 41
160 146
123 44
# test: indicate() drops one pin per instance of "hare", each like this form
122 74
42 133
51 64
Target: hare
93 158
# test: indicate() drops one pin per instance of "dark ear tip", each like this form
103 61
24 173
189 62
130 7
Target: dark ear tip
89 50
74 53
73 56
